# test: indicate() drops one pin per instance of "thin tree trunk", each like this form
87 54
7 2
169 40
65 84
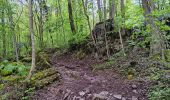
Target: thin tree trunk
93 12
12 29
63 30
71 19
32 39
4 34
41 23
121 42
105 11
99 10
112 12
85 12
14 39
123 17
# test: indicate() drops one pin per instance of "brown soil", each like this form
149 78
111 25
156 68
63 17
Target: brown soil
79 82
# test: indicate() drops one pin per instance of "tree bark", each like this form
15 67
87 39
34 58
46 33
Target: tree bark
157 43
85 12
99 10
71 19
32 38
41 22
123 25
104 11
4 34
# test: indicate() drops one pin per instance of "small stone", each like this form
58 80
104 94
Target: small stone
82 93
134 86
104 93
101 96
135 91
134 98
119 97
123 98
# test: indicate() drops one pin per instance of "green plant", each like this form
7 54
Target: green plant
159 93
7 68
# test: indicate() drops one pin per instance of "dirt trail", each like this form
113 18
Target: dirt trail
79 82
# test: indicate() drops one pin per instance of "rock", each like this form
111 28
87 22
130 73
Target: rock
134 86
119 97
135 91
123 98
77 98
82 93
101 96
66 95
134 98
105 93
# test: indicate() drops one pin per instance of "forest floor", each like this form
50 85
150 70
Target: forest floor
80 82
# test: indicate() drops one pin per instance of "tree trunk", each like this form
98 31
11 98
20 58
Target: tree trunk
14 37
41 23
63 30
105 11
123 25
112 9
157 43
123 17
85 12
71 19
93 9
32 38
99 10
4 34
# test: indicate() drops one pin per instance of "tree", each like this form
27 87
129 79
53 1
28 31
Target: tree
40 19
12 29
157 43
122 30
99 10
3 32
71 19
32 38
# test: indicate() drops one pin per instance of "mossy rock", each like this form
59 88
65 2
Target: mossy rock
167 55
26 59
45 81
42 61
44 77
156 57
79 54
1 86
5 72
12 78
43 74
8 96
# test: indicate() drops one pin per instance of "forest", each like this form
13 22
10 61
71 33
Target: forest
84 49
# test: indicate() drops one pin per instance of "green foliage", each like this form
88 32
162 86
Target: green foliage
7 68
140 38
159 93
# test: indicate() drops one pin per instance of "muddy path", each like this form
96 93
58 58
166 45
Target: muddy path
79 82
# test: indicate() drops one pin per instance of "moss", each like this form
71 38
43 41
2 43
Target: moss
42 61
26 59
1 86
11 78
6 72
45 81
167 55
156 57
44 77
44 73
